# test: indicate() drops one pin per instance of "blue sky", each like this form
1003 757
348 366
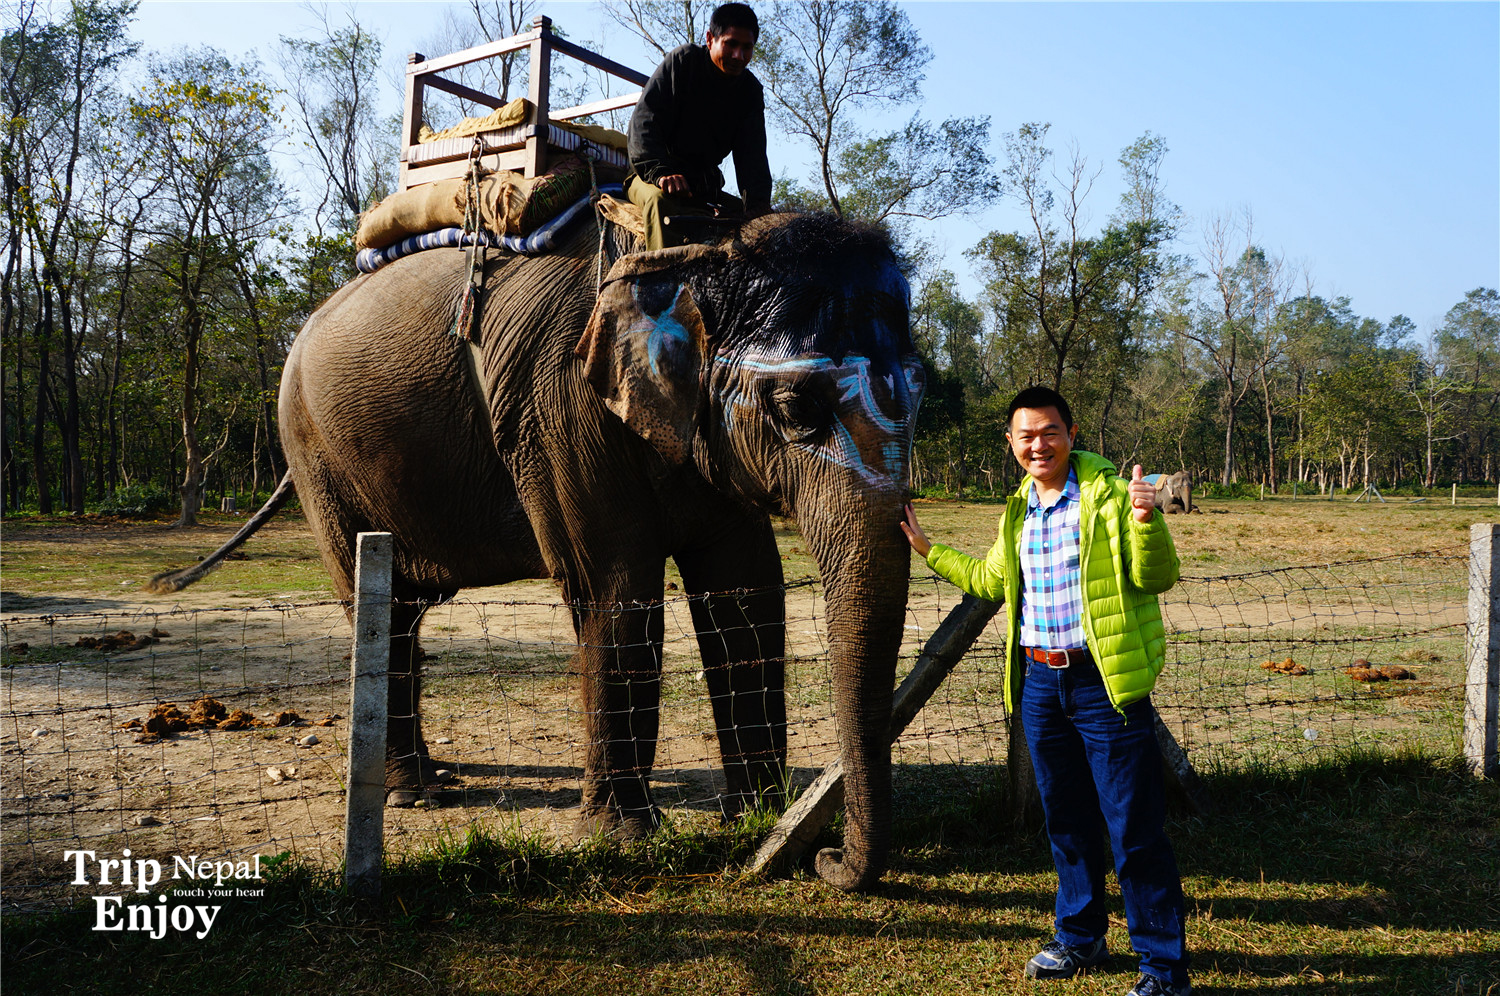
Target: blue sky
1363 138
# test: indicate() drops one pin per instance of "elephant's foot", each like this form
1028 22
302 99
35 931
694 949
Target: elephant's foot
636 824
412 777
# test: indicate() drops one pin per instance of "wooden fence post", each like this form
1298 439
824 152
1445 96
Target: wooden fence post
1482 688
369 667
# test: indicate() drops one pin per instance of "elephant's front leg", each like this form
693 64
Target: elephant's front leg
620 653
739 614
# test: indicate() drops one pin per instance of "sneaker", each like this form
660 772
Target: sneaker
1061 961
1150 985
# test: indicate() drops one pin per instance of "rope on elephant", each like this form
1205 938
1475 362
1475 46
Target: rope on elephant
599 222
467 318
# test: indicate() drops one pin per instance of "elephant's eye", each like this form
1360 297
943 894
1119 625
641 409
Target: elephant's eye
800 410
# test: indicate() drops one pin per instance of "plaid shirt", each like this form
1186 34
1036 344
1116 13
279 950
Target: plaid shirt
1051 584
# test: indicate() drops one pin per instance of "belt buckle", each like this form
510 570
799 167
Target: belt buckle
1048 656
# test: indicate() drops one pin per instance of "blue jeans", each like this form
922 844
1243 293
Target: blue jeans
1094 766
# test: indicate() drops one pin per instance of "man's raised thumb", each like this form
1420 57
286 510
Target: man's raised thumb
1139 474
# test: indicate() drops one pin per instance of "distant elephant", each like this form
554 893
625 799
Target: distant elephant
701 390
1174 492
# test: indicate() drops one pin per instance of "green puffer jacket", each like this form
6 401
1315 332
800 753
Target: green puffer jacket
1124 565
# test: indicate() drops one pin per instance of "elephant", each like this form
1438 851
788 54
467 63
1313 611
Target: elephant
586 435
1174 492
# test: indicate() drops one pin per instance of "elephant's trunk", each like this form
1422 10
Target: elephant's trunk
865 562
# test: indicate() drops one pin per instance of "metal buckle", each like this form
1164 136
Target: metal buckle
1048 657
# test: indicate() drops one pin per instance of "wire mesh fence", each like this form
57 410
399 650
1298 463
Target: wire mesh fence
223 732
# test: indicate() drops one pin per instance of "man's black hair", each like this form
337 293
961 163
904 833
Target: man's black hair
733 15
1037 396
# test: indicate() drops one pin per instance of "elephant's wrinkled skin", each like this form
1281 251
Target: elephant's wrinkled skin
707 388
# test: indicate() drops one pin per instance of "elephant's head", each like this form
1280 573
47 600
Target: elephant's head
781 365
1174 492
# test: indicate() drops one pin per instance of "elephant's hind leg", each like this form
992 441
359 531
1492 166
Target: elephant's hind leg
409 771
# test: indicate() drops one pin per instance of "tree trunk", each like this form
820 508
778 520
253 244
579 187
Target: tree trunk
1228 447
1265 390
39 434
193 471
72 447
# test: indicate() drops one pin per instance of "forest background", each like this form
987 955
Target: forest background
172 217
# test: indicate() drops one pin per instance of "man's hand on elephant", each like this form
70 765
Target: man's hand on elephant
1142 496
914 535
675 183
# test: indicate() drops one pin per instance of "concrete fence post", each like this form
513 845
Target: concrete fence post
1482 687
369 667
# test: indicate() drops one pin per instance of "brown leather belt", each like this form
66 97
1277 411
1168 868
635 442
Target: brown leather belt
1057 659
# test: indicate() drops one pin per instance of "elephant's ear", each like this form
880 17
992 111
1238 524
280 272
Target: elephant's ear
645 347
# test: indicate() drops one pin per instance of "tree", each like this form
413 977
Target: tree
1072 302
823 62
662 24
1468 346
208 125
1237 324
331 81
946 330
56 76
1435 397
477 22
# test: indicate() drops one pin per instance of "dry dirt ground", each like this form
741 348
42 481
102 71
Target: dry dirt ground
263 636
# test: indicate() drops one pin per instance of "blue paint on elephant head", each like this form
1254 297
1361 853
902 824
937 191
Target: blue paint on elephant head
853 417
666 337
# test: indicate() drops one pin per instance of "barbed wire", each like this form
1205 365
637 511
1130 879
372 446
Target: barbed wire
1260 665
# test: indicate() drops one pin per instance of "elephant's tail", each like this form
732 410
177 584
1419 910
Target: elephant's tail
170 581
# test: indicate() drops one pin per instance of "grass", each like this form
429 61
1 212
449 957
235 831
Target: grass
47 557
1365 874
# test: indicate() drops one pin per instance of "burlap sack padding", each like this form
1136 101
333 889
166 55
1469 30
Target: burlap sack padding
624 214
424 208
509 204
514 113
598 134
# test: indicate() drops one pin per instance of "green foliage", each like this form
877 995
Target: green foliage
137 499
823 63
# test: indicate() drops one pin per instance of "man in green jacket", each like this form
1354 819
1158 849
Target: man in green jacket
1081 556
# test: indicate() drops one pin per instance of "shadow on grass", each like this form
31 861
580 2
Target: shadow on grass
1366 839
1323 879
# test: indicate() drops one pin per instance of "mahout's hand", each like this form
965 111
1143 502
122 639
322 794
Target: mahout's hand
675 183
